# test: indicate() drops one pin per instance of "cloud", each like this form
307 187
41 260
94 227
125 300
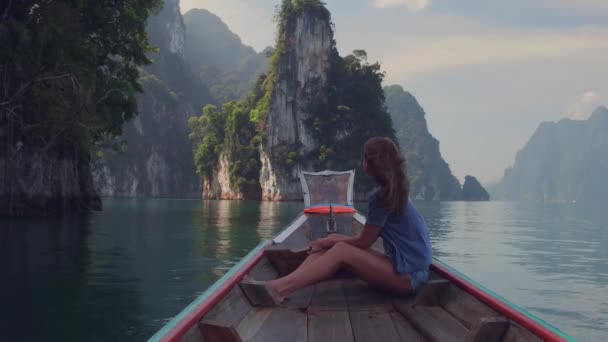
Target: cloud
595 5
412 5
408 55
589 97
582 107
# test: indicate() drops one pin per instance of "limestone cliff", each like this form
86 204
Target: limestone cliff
472 190
35 181
430 176
313 110
563 161
218 186
156 159
302 77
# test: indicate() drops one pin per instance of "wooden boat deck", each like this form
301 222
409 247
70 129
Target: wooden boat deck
343 309
347 309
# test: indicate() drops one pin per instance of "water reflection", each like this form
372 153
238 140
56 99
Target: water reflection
122 273
549 258
53 286
269 215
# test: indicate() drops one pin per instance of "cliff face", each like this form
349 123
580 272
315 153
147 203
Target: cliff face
157 157
35 181
218 186
312 111
302 77
562 161
472 190
430 176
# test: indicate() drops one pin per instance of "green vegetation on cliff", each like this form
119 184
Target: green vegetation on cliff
69 73
70 68
157 158
352 111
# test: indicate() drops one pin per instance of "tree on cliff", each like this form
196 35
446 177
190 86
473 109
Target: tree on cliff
68 77
338 115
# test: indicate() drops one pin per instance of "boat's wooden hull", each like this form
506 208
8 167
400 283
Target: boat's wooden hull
451 307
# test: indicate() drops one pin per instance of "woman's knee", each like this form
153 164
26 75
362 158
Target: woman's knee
341 248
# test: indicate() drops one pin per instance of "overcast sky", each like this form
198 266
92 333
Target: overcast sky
487 72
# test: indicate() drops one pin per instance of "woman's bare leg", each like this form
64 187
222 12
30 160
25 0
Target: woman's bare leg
369 266
310 258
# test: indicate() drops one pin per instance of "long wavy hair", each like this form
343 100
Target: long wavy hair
387 167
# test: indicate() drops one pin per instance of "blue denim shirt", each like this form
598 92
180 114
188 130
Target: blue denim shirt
406 236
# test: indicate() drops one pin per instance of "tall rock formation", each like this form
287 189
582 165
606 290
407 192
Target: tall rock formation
473 191
156 159
563 161
313 110
430 176
302 74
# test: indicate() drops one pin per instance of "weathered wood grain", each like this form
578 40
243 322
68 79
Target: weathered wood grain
434 323
329 326
370 326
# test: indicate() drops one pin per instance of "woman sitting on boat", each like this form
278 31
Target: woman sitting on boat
405 265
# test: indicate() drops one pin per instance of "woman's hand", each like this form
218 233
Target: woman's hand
324 243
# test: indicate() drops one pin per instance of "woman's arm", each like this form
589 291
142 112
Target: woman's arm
364 239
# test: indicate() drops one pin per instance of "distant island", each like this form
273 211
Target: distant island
563 161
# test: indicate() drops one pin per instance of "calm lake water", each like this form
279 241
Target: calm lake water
120 274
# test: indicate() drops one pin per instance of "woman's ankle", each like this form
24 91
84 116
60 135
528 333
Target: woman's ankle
276 288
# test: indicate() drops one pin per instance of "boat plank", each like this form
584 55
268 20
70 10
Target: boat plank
194 334
332 326
329 296
370 326
466 308
406 331
300 299
283 325
231 309
432 292
434 323
515 333
258 295
490 329
316 228
218 331
263 270
250 325
361 297
283 259
344 224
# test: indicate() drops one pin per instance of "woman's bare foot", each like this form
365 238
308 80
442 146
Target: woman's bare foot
274 292
261 293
